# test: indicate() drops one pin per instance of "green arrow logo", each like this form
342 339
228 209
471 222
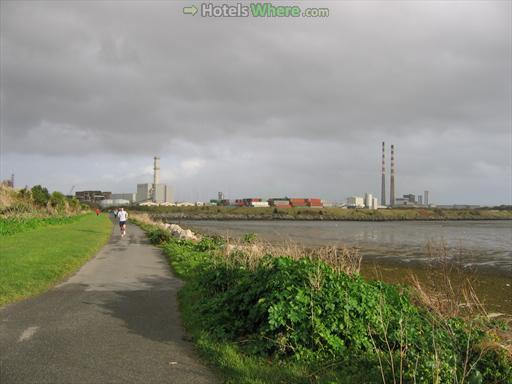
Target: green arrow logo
190 10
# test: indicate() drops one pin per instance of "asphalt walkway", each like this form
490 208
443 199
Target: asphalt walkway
115 321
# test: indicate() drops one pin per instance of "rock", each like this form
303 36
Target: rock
181 233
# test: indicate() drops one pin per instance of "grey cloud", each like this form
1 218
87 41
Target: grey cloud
297 102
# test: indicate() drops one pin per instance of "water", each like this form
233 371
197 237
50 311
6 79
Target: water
484 245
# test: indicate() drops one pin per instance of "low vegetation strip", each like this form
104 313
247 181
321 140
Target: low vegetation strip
330 213
277 318
31 261
12 225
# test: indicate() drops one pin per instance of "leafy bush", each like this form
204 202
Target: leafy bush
303 311
159 236
209 243
58 200
40 195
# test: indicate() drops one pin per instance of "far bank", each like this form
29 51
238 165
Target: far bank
324 214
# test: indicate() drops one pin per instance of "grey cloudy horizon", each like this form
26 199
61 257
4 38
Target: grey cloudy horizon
91 91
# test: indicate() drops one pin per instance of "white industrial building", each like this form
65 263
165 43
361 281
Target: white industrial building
355 202
131 197
156 192
107 203
370 201
144 192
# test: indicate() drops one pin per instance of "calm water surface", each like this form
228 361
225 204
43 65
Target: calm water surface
485 245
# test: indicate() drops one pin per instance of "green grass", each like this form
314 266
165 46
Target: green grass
11 225
34 260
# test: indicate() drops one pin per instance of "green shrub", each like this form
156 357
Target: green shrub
40 195
209 243
58 200
304 312
159 236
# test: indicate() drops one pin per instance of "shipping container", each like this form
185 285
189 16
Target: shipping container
259 204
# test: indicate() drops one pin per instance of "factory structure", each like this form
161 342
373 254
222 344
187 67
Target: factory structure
406 200
154 193
370 202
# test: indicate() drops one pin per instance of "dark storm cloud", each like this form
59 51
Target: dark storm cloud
299 103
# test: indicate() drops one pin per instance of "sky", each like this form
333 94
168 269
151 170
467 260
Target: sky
259 107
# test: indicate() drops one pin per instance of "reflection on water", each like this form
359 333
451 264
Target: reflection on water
482 244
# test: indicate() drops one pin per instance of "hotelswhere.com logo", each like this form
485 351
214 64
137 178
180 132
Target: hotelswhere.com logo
253 10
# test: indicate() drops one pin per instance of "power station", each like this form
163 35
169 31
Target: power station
409 199
155 192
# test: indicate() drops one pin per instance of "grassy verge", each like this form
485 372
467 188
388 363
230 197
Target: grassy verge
33 260
264 317
12 225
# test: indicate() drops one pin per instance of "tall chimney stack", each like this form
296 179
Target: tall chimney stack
156 177
156 169
392 181
383 182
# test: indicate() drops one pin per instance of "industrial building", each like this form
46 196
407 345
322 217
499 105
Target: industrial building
107 203
92 196
355 202
409 199
370 201
131 197
156 192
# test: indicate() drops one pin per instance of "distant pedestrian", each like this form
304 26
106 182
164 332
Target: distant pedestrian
115 212
97 211
123 217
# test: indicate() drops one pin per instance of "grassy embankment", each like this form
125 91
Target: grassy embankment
33 260
248 213
43 238
267 316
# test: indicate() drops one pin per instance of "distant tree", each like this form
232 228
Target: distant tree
40 195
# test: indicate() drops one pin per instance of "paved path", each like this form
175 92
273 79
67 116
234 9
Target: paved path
115 321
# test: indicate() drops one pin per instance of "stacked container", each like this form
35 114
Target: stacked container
314 203
298 202
280 203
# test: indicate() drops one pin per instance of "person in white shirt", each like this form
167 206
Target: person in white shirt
123 217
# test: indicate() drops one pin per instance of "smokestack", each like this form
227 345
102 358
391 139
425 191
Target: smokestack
383 185
392 181
156 174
